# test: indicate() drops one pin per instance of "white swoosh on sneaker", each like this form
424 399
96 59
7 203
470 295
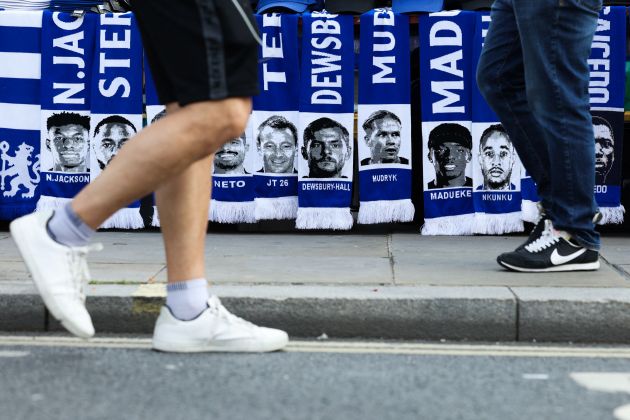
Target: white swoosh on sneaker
557 259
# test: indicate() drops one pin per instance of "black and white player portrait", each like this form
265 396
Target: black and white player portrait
67 140
230 158
326 148
276 143
450 147
110 135
383 137
604 149
496 159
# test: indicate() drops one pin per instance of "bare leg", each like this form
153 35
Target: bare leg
160 152
183 202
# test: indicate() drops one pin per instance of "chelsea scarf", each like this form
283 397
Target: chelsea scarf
384 119
496 166
232 180
606 89
67 59
116 101
20 46
445 66
326 122
275 118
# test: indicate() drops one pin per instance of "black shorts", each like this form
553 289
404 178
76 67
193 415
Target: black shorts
199 49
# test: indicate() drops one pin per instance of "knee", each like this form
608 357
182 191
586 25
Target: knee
218 121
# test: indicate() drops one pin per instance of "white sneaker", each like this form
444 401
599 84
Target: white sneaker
59 272
215 329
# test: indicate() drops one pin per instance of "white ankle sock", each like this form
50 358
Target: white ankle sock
187 299
67 228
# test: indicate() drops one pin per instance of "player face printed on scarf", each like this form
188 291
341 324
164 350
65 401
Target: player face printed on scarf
326 148
382 136
230 157
449 152
496 158
109 137
277 145
604 150
68 142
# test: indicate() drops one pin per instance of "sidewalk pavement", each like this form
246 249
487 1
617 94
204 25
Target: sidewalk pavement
396 286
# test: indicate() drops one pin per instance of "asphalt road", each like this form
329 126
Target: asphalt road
52 377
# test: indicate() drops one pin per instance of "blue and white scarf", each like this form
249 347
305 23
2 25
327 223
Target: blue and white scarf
20 46
445 71
496 165
275 118
606 88
384 116
154 110
116 101
67 59
232 180
326 122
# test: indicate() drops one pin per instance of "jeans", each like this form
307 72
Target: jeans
533 73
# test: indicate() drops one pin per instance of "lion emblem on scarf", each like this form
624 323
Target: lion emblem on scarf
16 168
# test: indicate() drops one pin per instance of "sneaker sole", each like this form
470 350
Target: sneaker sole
565 267
227 347
21 240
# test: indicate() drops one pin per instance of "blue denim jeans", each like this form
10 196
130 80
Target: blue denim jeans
534 74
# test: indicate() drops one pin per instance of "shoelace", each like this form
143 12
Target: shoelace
217 308
547 239
79 269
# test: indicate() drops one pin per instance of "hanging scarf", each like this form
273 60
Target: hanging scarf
232 181
155 111
20 58
496 166
384 119
275 118
116 101
67 59
326 122
606 88
445 66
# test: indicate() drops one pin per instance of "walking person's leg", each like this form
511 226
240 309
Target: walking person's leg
501 80
556 39
172 155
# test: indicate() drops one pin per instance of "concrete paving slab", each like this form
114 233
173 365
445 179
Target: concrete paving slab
616 250
573 314
121 273
297 269
453 261
296 245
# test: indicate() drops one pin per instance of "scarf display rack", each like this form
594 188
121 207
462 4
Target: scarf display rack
351 90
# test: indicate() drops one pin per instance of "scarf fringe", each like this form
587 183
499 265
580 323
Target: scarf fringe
47 202
449 225
232 212
125 218
612 215
334 218
498 224
529 211
385 211
279 208
155 220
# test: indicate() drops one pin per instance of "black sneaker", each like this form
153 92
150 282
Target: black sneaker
536 232
552 251
540 226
